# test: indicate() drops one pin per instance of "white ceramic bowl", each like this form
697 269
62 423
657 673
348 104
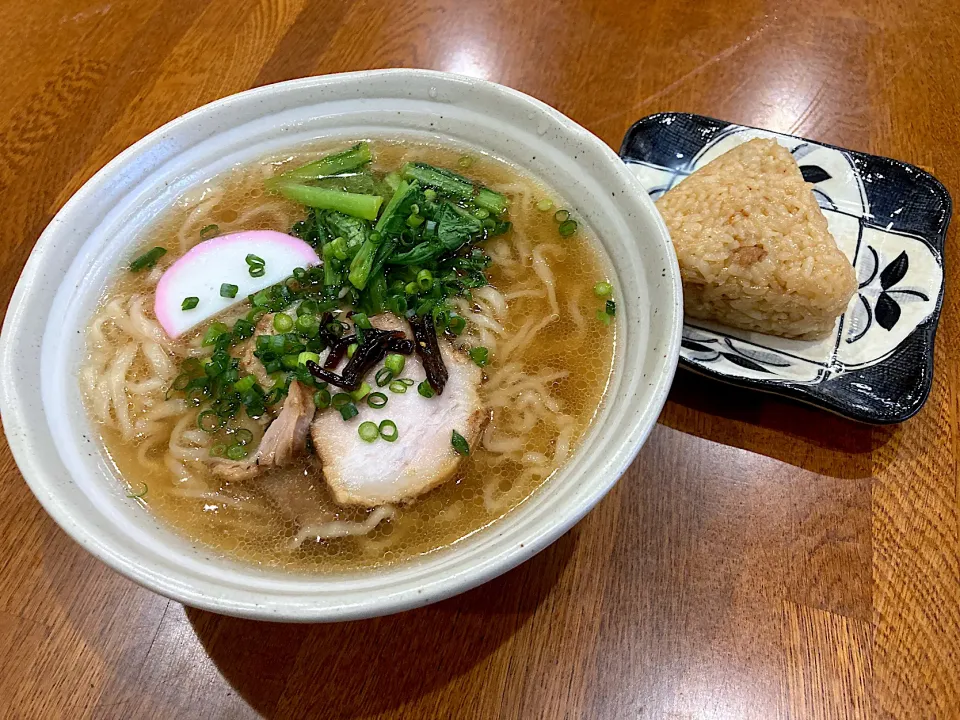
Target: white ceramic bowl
52 439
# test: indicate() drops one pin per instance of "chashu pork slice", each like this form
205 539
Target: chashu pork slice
422 457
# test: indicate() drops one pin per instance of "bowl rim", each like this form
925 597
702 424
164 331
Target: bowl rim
455 581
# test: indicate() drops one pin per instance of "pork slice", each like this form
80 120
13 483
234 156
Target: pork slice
422 457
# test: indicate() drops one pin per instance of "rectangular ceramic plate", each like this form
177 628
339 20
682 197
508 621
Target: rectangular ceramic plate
890 218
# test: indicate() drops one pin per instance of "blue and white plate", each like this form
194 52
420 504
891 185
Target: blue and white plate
890 218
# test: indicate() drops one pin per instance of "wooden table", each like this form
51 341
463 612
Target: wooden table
759 559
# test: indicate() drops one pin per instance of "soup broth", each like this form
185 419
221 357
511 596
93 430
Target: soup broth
550 357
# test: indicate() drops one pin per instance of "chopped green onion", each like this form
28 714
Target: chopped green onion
351 349
282 323
253 260
244 384
257 271
243 436
308 325
138 495
397 387
321 398
383 377
411 288
610 308
213 332
424 389
460 443
465 162
481 214
395 364
304 356
368 431
567 228
361 321
209 421
291 361
340 399
407 382
189 303
425 279
430 194
545 205
218 450
388 430
361 392
237 452
228 291
376 400
602 289
148 259
348 411
479 356
603 317
561 215
456 324
209 231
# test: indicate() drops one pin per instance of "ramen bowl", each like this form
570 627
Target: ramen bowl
55 443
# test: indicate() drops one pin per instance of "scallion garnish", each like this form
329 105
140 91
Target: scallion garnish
321 398
561 215
383 377
243 436
228 291
479 356
349 411
602 289
424 389
148 259
376 400
282 323
340 399
361 392
303 357
603 317
368 431
209 231
351 349
388 430
395 364
138 495
545 205
189 303
237 452
397 387
460 443
567 228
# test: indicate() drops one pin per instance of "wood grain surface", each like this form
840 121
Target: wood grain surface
759 559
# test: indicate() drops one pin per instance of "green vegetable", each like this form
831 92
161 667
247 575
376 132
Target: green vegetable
561 216
148 259
567 228
376 400
394 215
340 399
397 387
491 201
354 204
383 377
479 355
348 411
455 226
209 231
465 162
342 162
303 357
214 331
139 494
237 452
208 421
243 436
228 291
394 363
308 325
321 398
351 349
282 323
424 389
388 430
368 431
603 317
361 392
245 383
602 289
446 182
189 303
460 443
545 205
